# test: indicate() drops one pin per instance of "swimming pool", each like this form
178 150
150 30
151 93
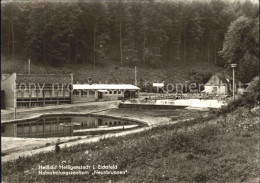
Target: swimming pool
66 125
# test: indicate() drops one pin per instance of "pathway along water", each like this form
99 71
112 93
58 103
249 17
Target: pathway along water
144 123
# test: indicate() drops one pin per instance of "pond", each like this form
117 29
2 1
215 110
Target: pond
64 126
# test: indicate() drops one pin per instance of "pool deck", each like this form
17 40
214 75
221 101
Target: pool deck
174 104
63 106
32 113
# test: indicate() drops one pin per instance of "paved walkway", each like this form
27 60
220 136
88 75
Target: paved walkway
8 111
14 156
28 113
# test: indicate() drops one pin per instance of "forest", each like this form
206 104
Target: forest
133 33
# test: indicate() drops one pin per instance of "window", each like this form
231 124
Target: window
54 93
66 93
110 92
91 93
76 93
33 94
60 93
114 92
119 92
22 105
19 94
100 122
85 93
39 93
47 93
26 94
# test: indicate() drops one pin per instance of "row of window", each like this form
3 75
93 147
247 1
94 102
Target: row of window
31 105
92 93
114 123
113 92
35 94
84 93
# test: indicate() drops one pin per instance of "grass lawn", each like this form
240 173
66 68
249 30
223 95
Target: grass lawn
223 149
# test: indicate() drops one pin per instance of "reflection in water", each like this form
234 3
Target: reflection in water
58 126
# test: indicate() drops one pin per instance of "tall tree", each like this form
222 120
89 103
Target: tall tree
121 32
12 26
241 46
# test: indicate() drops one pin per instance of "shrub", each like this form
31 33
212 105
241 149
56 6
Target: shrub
250 99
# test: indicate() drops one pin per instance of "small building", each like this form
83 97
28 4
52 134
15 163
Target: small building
217 84
31 90
103 92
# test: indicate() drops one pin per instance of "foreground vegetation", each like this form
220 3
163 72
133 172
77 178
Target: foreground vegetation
203 150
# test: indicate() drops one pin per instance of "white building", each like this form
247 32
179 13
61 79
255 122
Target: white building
217 84
103 92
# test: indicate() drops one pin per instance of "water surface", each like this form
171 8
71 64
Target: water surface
64 126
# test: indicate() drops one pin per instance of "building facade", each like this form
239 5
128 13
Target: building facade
31 90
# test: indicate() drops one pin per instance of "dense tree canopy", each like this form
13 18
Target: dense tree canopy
241 46
144 33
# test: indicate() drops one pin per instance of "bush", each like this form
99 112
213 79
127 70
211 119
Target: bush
252 98
232 105
249 100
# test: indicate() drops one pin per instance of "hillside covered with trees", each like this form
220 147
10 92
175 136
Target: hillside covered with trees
147 34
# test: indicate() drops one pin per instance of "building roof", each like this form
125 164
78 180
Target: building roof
221 77
105 87
43 78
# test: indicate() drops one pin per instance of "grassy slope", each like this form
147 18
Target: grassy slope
111 74
223 149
